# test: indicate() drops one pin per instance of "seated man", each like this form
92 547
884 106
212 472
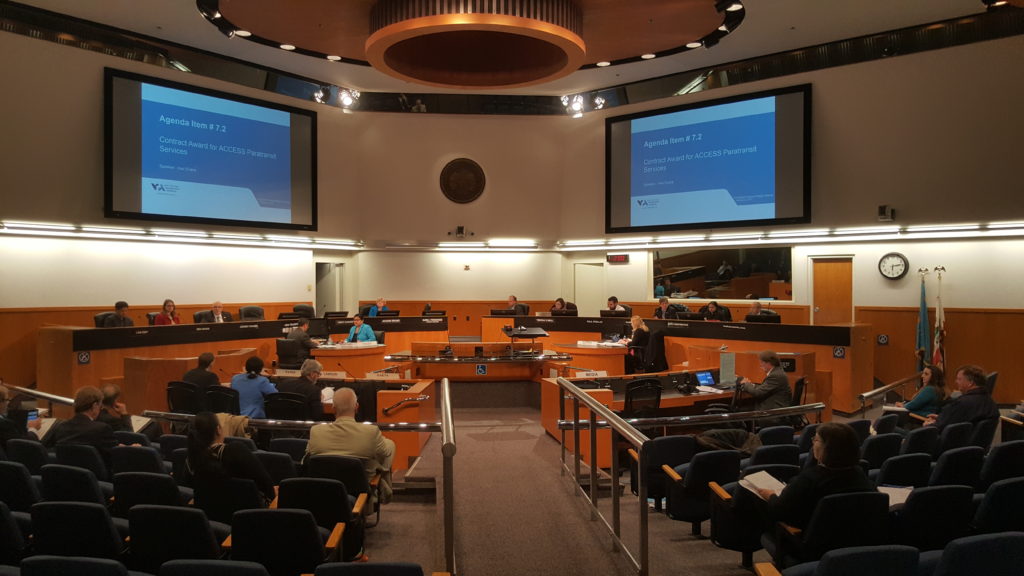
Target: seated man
513 304
119 319
973 405
216 314
9 428
613 304
301 334
114 413
203 375
346 437
773 391
83 427
305 385
667 311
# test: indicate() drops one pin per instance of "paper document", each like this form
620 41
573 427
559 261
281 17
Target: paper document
708 389
893 408
139 422
44 427
761 481
897 494
612 345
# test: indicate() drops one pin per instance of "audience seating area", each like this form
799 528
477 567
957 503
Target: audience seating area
70 512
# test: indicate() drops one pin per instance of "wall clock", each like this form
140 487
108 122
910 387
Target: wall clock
893 266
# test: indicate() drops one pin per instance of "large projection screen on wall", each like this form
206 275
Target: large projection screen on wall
181 153
732 162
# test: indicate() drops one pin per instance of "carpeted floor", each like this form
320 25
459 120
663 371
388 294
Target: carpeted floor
516 514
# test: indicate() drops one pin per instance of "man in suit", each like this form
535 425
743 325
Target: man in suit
83 427
667 311
773 391
9 428
216 314
973 405
119 319
114 413
203 375
301 334
346 437
306 386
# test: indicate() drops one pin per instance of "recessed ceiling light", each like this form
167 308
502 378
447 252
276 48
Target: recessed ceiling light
694 45
603 64
648 56
333 58
735 6
723 28
243 33
287 47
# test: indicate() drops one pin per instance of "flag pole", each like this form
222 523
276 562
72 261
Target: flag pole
922 349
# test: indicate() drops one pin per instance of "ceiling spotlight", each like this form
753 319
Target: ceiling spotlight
728 6
243 33
598 102
321 94
333 58
287 47
603 64
723 28
648 56
348 97
692 45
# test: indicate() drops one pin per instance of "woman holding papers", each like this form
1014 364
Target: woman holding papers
837 450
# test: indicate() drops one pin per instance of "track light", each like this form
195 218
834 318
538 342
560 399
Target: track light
348 97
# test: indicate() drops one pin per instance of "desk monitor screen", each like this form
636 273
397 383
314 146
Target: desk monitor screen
764 318
289 316
503 312
689 316
389 312
318 328
565 312
435 312
613 313
705 378
336 314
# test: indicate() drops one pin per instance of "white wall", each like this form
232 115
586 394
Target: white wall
44 272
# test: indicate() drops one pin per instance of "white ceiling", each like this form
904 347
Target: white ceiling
769 26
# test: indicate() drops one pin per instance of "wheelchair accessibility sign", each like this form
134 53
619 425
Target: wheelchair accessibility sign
839 352
84 357
481 369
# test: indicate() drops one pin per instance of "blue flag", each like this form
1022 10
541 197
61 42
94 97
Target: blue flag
923 333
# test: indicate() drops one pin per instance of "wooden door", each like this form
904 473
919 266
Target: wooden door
833 291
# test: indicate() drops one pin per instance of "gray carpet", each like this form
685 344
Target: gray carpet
516 514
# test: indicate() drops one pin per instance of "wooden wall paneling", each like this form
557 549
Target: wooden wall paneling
408 445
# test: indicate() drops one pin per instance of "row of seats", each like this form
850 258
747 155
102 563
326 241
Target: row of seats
983 554
187 398
46 565
244 313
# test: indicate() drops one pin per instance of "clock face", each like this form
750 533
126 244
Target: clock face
893 266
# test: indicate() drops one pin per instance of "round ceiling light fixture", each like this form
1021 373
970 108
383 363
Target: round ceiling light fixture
467 44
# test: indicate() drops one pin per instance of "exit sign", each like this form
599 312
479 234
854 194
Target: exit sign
617 258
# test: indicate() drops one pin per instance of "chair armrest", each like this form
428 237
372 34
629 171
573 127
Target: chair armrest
672 474
334 540
1018 412
791 530
357 508
719 492
917 417
273 503
375 480
226 544
766 569
634 455
1006 420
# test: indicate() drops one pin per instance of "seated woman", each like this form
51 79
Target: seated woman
252 387
929 397
837 450
637 345
168 315
211 462
360 332
559 304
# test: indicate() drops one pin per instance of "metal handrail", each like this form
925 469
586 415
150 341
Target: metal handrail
300 425
881 391
51 398
703 419
448 475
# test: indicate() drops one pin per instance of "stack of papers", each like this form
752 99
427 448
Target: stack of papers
762 481
897 494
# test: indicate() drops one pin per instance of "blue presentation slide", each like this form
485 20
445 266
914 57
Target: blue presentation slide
712 164
213 158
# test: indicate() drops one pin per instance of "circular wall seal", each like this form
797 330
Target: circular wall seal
462 180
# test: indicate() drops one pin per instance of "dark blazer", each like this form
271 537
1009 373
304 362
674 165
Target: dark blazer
309 390
115 422
82 430
206 316
303 337
115 321
9 429
202 378
972 406
774 392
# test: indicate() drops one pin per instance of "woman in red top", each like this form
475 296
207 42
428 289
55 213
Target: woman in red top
168 315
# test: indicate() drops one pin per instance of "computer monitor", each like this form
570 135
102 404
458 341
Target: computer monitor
764 318
614 313
336 314
689 316
435 312
289 316
705 378
389 312
318 328
503 312
565 312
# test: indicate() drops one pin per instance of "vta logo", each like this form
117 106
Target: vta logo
159 187
642 203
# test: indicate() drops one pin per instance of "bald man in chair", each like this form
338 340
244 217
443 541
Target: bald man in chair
346 437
